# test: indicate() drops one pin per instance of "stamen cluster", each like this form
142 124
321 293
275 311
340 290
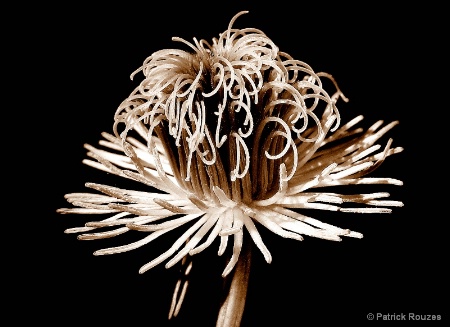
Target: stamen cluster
226 135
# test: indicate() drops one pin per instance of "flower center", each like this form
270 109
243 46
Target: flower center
232 114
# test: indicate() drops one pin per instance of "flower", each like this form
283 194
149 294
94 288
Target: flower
230 136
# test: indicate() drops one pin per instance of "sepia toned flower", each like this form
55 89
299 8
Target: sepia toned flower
230 136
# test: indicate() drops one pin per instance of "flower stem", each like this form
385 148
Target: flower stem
232 308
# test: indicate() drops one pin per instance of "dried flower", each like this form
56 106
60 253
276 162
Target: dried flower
229 136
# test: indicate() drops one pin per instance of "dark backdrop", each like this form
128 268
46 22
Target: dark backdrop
84 58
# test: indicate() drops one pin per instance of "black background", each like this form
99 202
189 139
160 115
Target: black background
82 59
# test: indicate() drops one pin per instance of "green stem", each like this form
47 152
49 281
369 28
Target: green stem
232 308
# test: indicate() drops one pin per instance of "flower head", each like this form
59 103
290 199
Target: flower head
230 136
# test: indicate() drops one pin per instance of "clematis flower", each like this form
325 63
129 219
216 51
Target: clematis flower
230 137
